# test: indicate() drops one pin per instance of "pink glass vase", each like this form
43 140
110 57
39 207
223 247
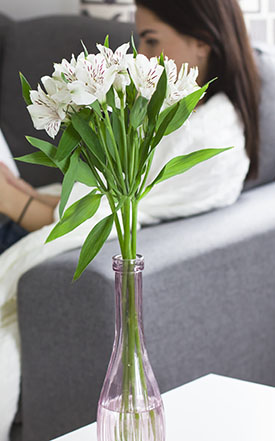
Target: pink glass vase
130 407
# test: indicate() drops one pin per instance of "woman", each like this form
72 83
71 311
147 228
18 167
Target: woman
210 34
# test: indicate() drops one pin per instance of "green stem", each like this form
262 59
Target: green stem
132 323
124 137
117 223
126 213
134 227
108 156
133 157
118 161
151 156
125 391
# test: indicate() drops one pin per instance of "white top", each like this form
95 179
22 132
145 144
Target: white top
211 408
6 156
214 183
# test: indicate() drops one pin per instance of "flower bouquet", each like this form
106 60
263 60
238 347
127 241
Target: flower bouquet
113 109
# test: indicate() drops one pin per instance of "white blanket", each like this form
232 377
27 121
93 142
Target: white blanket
215 183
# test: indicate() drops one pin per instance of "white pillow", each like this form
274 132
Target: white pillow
6 156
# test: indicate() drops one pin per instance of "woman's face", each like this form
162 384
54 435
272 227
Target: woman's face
157 36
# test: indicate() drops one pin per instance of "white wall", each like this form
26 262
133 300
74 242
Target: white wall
33 8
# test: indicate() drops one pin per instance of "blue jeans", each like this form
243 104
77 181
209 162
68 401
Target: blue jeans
10 232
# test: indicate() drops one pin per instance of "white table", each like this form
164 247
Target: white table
211 408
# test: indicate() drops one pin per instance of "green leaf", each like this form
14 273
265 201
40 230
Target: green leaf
68 142
117 129
85 175
94 242
86 53
45 146
49 150
161 59
185 108
133 46
64 78
110 98
89 137
75 215
68 181
181 164
131 93
163 126
26 88
138 112
106 41
109 142
158 97
144 148
96 107
37 158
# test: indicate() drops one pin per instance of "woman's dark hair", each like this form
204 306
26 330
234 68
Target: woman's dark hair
220 24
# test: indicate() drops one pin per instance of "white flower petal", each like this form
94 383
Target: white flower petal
81 94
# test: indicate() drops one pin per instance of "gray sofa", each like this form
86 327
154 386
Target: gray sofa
209 280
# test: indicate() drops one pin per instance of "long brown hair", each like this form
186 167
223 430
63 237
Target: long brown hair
220 24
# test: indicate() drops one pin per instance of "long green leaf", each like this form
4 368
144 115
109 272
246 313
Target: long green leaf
117 131
96 107
76 214
49 150
185 108
109 141
163 126
68 142
68 181
89 137
46 147
93 243
37 158
110 98
26 88
181 164
138 112
85 175
157 99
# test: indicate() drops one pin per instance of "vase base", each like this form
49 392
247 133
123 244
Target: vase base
130 426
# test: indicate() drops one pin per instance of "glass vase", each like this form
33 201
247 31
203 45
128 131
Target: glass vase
130 407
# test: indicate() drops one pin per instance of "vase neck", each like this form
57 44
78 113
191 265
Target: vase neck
128 293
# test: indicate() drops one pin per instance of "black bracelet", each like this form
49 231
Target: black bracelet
23 212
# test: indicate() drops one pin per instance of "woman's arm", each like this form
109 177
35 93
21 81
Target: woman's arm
12 204
25 187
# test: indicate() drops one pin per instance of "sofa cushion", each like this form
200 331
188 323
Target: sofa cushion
31 47
4 25
265 58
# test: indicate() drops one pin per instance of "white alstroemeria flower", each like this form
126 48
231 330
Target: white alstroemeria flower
145 74
45 112
94 79
57 90
65 71
118 59
179 86
187 81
